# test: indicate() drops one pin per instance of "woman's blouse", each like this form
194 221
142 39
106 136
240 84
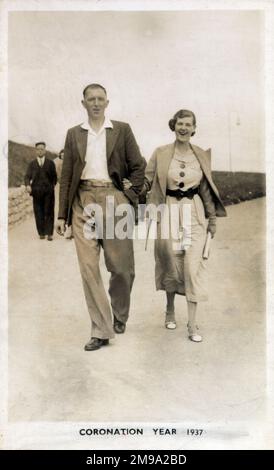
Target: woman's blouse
184 171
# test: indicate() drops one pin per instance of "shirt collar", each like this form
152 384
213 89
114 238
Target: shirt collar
107 124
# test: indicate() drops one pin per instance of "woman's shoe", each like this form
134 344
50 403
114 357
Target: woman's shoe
193 335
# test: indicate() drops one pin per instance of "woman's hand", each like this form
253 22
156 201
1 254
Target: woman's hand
126 184
212 226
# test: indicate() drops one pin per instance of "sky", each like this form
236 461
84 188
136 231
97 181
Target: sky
152 64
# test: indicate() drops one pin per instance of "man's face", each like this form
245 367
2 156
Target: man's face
40 150
95 102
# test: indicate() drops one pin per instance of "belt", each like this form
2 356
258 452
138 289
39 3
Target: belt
179 194
96 184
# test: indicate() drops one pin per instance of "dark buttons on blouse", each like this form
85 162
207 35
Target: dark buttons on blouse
181 185
182 165
182 173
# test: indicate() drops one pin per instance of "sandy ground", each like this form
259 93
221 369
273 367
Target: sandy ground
149 374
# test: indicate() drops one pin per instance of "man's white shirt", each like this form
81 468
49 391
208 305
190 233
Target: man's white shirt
96 154
41 161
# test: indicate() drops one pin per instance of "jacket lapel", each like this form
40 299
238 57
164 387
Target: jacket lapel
163 162
111 136
81 140
204 158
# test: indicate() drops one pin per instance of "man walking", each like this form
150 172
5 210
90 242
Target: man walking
40 181
98 155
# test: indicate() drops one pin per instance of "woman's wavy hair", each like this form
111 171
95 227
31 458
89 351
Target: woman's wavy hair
181 114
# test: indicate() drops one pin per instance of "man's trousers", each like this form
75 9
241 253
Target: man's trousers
92 213
43 207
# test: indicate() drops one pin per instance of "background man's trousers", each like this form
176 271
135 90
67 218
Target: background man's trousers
119 260
43 207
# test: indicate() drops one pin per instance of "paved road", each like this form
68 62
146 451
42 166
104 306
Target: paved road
149 374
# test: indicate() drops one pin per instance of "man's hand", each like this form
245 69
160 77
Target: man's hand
28 189
60 226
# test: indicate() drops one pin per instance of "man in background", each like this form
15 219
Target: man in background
40 181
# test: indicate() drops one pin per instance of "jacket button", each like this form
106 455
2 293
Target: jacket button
182 165
182 173
181 185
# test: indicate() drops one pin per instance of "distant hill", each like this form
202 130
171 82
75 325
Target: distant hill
233 187
19 157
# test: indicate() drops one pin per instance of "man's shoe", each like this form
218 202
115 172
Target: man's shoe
50 238
96 343
119 327
42 237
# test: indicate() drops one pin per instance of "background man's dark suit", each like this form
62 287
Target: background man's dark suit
42 181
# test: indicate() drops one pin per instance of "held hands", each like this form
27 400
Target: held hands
60 226
126 184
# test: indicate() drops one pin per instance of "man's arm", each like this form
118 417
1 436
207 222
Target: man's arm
150 171
66 178
136 166
53 173
28 175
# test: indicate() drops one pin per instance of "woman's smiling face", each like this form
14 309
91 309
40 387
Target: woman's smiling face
184 129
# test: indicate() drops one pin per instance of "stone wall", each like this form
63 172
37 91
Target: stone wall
20 205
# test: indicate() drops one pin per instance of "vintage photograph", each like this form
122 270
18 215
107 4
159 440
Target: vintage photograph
136 230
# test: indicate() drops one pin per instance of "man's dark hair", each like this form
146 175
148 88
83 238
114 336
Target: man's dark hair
92 86
40 143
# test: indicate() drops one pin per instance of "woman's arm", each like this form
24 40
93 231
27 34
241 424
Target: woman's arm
150 171
149 176
209 205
